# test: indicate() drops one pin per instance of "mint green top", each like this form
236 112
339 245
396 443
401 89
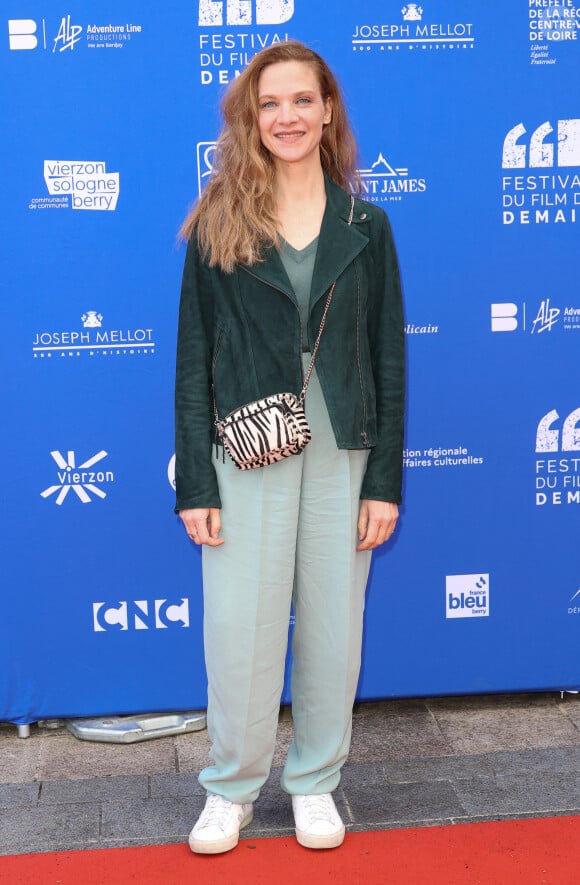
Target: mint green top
299 265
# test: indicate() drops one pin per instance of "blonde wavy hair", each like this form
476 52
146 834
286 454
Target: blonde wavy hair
235 219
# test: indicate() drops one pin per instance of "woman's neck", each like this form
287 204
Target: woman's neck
300 202
295 187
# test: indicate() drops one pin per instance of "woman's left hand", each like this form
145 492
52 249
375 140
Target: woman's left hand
376 523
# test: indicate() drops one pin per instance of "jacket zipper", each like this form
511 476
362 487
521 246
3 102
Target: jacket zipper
216 351
277 289
364 436
213 365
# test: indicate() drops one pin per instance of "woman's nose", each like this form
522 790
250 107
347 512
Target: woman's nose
287 112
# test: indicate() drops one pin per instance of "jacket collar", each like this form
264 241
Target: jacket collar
339 242
338 246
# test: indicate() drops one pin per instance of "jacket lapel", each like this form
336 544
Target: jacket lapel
339 243
272 272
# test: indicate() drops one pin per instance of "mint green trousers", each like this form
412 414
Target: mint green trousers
290 533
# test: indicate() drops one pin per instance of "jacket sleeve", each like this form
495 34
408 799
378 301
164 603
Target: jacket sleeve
195 476
383 477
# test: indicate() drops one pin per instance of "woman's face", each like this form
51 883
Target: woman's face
292 112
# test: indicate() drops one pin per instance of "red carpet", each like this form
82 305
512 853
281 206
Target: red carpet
543 851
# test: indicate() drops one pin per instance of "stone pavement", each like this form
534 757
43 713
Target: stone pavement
412 763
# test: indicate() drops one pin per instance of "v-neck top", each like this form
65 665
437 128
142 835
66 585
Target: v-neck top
299 265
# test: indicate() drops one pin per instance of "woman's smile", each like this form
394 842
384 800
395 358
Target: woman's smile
292 111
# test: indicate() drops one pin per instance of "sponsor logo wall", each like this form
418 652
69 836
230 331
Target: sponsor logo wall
469 138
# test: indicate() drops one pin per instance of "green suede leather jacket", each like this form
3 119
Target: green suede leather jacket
242 330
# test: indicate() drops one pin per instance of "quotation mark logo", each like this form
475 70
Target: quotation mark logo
548 438
541 153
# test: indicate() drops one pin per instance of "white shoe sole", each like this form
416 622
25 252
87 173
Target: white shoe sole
308 840
218 846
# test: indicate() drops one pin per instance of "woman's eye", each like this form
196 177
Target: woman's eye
266 105
304 100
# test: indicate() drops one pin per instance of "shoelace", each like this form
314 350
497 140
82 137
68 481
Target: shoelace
215 812
318 808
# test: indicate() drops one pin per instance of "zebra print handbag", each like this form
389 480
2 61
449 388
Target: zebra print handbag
275 427
265 431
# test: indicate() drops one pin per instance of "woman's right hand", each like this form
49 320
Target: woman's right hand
203 525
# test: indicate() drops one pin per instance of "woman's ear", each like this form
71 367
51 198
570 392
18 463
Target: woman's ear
327 111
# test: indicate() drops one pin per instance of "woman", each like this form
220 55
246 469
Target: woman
274 228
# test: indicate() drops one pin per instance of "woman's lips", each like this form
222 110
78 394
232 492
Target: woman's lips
289 135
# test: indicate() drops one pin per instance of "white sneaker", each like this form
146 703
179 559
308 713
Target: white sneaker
318 823
219 824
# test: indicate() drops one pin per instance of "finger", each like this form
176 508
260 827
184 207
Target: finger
387 535
374 539
189 526
381 536
200 531
387 531
213 542
189 519
363 522
215 523
193 536
204 536
370 537
188 523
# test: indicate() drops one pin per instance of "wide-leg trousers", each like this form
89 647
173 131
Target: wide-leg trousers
290 536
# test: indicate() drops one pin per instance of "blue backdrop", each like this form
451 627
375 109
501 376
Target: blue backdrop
468 121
